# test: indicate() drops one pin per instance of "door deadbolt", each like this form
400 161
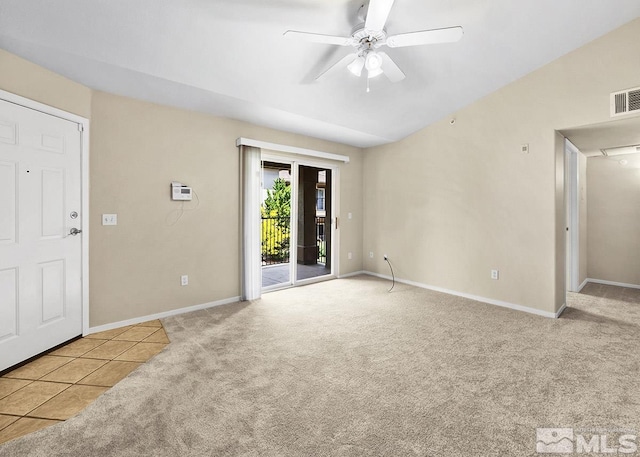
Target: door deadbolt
73 215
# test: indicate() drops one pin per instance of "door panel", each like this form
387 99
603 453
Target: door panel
9 308
7 132
52 290
8 206
40 263
52 203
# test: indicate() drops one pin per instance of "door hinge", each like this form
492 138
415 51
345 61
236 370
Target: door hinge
81 127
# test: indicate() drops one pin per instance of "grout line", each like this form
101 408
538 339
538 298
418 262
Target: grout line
17 379
48 418
43 418
105 341
59 356
91 372
11 423
77 356
68 385
122 360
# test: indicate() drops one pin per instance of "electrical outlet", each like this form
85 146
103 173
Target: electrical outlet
524 148
495 274
371 254
184 280
350 256
349 215
109 219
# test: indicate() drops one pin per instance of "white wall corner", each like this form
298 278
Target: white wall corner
560 311
584 283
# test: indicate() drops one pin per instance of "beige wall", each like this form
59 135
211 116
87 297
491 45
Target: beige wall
613 197
583 225
29 80
453 201
136 150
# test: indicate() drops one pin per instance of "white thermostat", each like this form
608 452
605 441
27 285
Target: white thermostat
180 192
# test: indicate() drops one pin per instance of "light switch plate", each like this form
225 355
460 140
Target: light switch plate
109 219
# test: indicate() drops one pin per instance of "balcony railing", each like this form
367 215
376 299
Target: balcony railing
321 240
276 236
276 240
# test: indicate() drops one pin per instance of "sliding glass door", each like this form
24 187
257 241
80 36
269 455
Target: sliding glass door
297 215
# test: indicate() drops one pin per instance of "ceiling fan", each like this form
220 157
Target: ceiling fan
371 35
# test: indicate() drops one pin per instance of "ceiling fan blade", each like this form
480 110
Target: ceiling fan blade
342 63
447 35
377 14
318 38
391 70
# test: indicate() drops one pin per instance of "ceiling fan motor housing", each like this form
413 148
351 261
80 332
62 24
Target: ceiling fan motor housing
366 41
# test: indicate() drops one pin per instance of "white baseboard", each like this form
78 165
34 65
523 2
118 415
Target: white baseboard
613 283
489 301
150 317
354 273
584 283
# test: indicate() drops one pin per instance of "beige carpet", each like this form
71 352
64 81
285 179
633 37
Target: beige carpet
344 368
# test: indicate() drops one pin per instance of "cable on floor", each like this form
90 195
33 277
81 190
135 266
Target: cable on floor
393 277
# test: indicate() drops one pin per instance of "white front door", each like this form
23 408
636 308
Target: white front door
40 203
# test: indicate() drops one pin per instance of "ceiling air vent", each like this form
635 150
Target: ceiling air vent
620 150
624 102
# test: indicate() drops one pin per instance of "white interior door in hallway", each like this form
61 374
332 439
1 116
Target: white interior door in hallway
40 205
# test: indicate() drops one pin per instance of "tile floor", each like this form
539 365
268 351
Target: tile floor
61 383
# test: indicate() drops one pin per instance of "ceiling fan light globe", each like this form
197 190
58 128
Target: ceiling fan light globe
356 66
373 61
375 72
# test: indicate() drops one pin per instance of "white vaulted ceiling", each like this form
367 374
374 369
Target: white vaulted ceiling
229 57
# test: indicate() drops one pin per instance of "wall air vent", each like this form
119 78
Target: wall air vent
625 102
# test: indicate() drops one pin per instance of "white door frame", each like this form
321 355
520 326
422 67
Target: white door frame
271 156
572 195
83 125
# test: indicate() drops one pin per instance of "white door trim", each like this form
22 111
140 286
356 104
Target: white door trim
83 125
572 185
